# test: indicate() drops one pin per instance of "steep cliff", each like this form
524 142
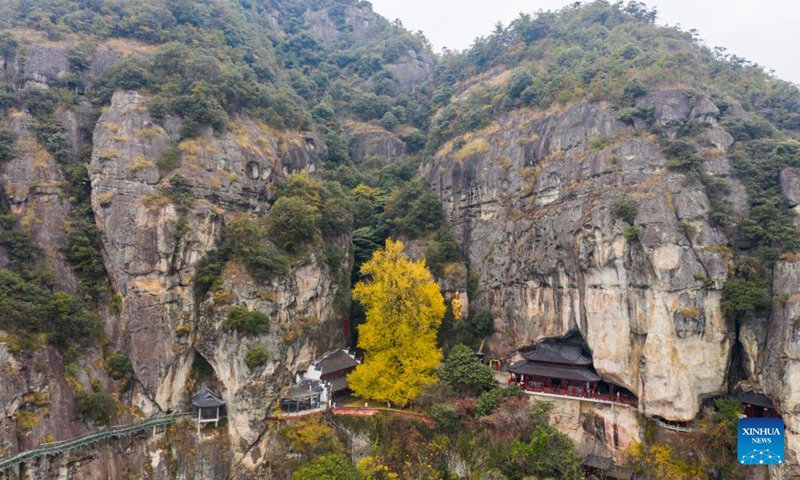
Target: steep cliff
604 179
151 248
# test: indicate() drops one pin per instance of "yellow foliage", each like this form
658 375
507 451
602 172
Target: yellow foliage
148 133
404 311
312 437
190 149
475 147
365 192
372 469
155 200
105 198
141 163
107 155
690 312
26 420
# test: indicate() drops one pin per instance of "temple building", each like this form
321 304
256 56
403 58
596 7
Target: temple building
556 367
563 367
325 379
756 405
333 370
308 395
207 407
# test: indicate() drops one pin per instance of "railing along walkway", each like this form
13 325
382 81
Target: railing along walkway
54 448
669 426
360 411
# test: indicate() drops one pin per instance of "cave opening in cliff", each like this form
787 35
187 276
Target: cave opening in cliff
202 375
738 370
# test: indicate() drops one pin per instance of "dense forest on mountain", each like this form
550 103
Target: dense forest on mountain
213 62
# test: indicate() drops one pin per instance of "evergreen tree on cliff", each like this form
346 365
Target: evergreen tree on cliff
404 310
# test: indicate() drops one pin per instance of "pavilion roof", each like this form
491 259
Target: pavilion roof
207 399
563 372
753 398
618 472
335 362
561 353
339 384
298 393
597 462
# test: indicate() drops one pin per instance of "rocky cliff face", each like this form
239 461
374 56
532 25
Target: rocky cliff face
529 199
151 242
779 365
151 248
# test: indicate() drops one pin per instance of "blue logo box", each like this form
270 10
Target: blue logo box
761 441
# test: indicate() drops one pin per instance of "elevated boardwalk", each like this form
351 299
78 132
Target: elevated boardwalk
55 448
356 411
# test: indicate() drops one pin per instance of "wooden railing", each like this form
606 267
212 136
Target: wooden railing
579 393
54 448
673 427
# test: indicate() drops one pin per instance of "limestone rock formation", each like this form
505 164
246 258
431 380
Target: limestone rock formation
532 212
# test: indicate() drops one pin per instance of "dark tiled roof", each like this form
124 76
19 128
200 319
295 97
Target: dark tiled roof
617 472
207 399
335 362
312 385
562 353
579 374
339 384
300 392
753 398
598 463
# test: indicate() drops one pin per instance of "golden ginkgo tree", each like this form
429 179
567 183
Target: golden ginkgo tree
404 309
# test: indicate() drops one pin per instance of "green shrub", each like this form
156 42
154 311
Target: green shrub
334 256
488 401
119 366
462 369
256 357
681 155
169 160
7 144
207 271
447 417
180 192
292 222
632 232
264 262
331 466
245 321
482 323
687 229
413 210
634 89
742 295
625 209
97 406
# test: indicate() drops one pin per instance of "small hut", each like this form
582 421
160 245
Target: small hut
208 407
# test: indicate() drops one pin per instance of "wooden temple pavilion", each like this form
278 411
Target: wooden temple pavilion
555 367
208 407
333 369
756 405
